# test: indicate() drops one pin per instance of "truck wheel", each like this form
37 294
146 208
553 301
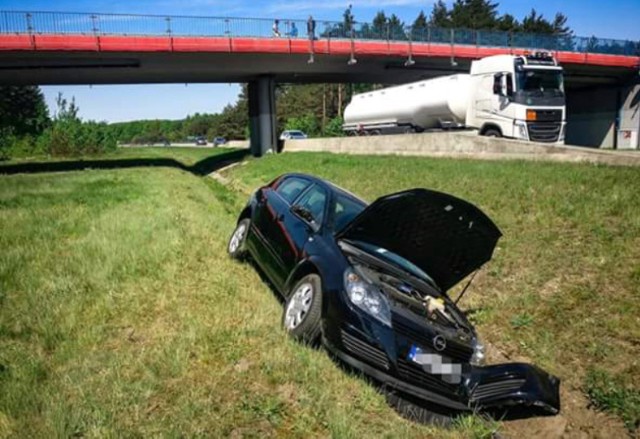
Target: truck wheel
492 132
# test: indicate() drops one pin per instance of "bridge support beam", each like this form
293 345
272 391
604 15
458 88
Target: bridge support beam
604 117
262 115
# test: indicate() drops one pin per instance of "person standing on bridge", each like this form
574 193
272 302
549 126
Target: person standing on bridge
293 33
311 28
311 32
275 28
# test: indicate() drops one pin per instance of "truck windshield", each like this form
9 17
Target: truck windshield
538 81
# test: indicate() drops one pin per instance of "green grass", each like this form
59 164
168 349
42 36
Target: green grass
121 315
615 394
563 289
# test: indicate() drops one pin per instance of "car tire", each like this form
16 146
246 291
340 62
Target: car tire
303 309
236 246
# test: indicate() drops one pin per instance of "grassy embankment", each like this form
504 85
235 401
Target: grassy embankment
563 289
120 313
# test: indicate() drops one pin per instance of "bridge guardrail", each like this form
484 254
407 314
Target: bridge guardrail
23 22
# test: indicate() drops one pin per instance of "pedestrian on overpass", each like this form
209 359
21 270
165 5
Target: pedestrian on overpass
311 28
275 28
293 33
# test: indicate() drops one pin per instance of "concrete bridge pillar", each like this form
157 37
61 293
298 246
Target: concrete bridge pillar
262 115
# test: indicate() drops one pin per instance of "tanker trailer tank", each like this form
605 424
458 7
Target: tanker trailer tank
434 103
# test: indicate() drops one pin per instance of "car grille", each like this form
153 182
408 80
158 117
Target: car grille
416 375
544 132
457 352
496 388
365 351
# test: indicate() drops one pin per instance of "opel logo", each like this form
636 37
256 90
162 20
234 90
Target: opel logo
439 343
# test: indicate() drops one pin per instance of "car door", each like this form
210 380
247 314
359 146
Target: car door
296 224
272 204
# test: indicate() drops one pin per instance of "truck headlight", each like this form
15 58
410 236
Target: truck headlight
366 297
478 357
521 130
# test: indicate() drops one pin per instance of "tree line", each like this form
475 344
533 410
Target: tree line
26 128
463 14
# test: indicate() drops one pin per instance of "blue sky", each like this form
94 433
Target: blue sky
617 19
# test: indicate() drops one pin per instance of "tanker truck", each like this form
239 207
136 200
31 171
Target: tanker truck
520 97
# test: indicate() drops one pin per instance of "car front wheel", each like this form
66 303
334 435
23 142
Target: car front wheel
302 312
236 246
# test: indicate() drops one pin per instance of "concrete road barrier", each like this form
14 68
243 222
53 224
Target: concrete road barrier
449 144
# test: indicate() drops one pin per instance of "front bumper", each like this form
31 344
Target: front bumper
498 387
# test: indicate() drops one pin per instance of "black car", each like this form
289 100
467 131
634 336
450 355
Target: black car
370 282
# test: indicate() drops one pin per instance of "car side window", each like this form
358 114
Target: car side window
314 201
291 188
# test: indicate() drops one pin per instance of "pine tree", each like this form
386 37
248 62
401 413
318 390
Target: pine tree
379 25
440 16
23 110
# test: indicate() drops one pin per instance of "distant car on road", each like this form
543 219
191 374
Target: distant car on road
372 284
201 141
219 141
292 134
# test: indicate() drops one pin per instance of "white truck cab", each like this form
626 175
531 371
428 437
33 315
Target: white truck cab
521 97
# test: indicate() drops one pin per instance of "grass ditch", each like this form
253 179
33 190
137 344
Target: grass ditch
121 315
562 290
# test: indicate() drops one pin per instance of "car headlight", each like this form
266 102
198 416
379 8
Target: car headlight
478 357
367 297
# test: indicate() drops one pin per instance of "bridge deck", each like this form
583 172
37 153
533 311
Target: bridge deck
141 44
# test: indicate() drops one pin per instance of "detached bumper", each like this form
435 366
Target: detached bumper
513 384
482 388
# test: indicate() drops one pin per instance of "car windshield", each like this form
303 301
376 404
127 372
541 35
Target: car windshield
396 260
345 210
537 80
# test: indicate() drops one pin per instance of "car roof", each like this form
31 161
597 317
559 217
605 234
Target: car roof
326 184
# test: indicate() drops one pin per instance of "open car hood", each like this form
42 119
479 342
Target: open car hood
448 238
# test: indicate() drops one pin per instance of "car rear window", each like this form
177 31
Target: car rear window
290 188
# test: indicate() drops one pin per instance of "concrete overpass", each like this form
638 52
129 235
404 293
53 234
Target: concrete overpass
60 48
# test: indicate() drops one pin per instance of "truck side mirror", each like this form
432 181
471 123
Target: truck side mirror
509 84
497 84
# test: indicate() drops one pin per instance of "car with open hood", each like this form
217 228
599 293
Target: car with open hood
372 282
